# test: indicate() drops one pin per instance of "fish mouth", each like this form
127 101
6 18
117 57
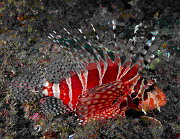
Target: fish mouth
161 97
155 100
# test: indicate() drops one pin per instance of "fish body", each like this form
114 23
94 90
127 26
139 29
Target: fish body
107 87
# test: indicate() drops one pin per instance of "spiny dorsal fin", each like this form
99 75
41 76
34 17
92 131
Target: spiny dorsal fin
97 60
129 69
143 59
90 54
86 54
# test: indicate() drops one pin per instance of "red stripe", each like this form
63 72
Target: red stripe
76 88
110 74
64 92
93 78
130 74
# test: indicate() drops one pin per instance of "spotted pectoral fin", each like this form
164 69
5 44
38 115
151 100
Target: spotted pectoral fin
102 102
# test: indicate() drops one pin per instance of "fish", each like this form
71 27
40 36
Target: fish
108 84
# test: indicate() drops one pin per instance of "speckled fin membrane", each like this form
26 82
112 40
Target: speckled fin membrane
102 102
53 106
27 86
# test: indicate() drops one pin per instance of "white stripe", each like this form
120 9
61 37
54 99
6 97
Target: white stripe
99 70
104 71
80 30
46 84
45 92
93 28
66 31
128 68
135 83
83 77
141 86
56 90
119 72
141 90
68 81
125 71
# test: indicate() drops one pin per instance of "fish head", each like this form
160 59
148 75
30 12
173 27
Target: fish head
152 98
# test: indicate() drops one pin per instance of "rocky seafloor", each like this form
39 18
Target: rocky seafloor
24 42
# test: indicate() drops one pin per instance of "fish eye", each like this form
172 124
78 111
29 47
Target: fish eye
150 88
136 101
145 95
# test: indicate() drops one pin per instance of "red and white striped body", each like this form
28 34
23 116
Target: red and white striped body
70 88
97 74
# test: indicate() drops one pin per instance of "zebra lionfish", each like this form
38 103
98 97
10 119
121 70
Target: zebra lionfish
108 86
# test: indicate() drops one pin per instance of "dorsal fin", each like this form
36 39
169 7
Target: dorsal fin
86 54
81 54
105 54
91 54
142 61
76 43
